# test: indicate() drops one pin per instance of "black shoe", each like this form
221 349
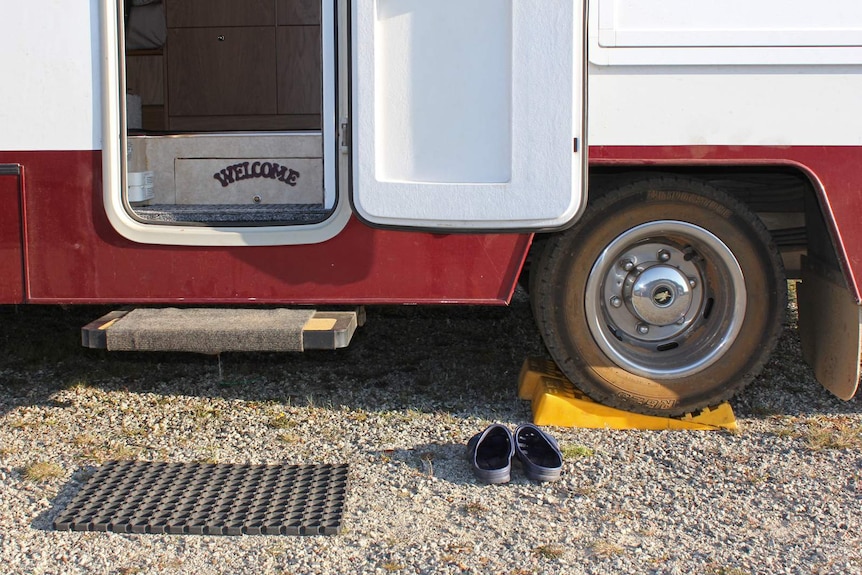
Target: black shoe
490 453
539 453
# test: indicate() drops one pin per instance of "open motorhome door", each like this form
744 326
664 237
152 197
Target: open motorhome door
468 114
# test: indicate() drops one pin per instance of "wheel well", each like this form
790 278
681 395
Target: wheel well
667 296
783 198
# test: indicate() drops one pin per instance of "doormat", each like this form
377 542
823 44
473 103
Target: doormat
209 499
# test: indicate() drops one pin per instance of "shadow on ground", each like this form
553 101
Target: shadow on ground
403 358
406 357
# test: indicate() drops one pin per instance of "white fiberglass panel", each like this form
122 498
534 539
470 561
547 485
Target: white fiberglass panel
443 103
468 114
730 23
725 106
49 92
696 32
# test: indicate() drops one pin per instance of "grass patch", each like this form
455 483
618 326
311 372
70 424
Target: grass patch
714 569
834 439
85 439
276 550
42 471
211 455
756 478
475 508
549 551
586 490
359 416
78 384
134 432
21 424
26 422
170 563
837 432
427 459
282 421
289 438
459 548
576 451
606 549
821 432
113 450
785 432
206 412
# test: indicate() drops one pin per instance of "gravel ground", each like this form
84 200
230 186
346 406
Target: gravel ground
781 495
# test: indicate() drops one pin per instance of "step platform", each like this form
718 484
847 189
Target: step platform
556 402
218 330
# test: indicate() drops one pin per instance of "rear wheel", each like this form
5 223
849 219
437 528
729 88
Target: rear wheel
665 298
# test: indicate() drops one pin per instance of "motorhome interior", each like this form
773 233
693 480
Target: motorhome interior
223 110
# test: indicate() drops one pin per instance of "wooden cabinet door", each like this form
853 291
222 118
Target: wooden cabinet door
221 71
299 12
145 77
204 13
300 89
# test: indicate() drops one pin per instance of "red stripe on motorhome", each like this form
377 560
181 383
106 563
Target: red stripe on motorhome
74 255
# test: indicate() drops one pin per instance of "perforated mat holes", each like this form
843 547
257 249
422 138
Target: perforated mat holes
209 499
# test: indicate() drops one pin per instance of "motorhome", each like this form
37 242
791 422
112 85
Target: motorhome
659 170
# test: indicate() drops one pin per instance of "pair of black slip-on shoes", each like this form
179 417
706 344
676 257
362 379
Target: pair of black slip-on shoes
491 451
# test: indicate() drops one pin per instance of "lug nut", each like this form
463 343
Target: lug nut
692 282
627 265
643 329
616 302
663 255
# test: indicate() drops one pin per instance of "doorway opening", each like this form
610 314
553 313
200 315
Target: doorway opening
226 107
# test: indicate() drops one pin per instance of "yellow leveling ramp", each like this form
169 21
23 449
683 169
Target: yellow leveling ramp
557 402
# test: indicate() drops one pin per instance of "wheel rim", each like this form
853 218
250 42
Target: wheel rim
665 300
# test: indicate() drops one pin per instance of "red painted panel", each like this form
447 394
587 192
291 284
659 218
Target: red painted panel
74 255
11 258
835 172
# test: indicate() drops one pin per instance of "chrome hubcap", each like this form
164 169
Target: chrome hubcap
665 299
660 295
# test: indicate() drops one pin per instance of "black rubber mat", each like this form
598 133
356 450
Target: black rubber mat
209 499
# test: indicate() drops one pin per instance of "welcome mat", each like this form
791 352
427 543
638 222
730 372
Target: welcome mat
209 499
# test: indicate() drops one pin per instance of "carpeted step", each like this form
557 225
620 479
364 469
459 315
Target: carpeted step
217 330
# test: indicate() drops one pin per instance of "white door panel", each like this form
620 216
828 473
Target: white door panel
466 113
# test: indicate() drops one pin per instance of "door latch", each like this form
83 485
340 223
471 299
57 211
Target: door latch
344 136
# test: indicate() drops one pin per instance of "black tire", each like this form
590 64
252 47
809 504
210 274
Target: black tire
666 297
